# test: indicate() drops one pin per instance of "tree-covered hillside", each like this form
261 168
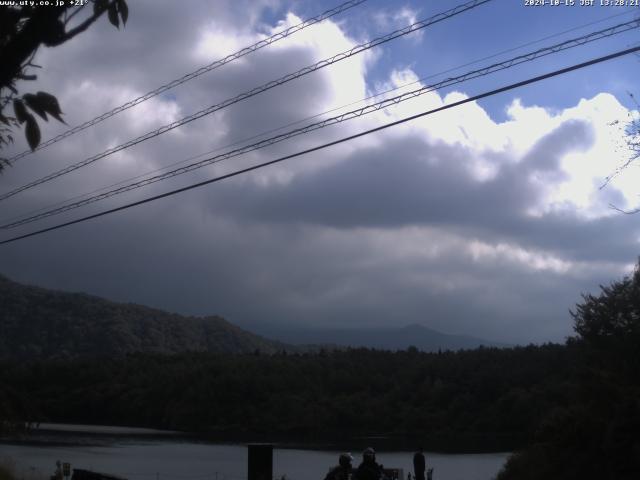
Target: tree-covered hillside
40 323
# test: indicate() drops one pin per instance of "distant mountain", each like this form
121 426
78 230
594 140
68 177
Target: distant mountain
40 323
386 338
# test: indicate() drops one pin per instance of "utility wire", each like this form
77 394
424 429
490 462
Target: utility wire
575 42
264 133
311 117
190 76
330 144
509 50
255 91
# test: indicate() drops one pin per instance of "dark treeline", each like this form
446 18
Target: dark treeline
484 399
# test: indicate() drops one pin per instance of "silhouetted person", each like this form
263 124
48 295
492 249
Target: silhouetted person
419 464
58 474
369 469
342 470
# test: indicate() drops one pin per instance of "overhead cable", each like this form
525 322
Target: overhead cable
255 91
196 73
264 133
520 59
330 144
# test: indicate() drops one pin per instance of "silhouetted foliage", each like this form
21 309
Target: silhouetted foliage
613 317
598 434
23 29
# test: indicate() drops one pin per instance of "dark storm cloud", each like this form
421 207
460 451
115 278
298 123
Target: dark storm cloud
392 185
257 276
410 182
157 45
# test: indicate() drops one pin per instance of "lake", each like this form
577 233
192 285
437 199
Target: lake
157 458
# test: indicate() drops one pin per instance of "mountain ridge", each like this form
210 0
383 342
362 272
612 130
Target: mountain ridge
40 323
382 337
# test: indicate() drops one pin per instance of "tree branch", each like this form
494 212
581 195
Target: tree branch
84 25
24 43
75 12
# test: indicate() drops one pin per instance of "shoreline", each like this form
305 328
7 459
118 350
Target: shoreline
61 434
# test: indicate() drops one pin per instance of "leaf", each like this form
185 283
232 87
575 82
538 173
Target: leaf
100 6
4 119
124 10
52 33
34 103
32 132
113 15
21 111
50 104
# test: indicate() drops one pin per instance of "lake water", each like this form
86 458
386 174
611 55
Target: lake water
172 458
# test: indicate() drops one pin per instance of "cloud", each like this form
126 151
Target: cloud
455 220
397 19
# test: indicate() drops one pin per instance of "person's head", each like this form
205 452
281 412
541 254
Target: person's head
421 450
345 460
369 455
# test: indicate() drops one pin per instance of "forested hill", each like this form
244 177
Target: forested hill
40 323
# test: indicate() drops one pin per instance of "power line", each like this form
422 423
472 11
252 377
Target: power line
311 117
201 71
527 57
255 91
509 50
330 144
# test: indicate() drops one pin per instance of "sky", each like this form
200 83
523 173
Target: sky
487 219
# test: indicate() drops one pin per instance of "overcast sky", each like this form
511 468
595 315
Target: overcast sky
486 219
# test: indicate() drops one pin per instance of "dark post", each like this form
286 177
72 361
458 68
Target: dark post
260 462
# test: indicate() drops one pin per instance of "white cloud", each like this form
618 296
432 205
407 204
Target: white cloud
582 170
397 19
